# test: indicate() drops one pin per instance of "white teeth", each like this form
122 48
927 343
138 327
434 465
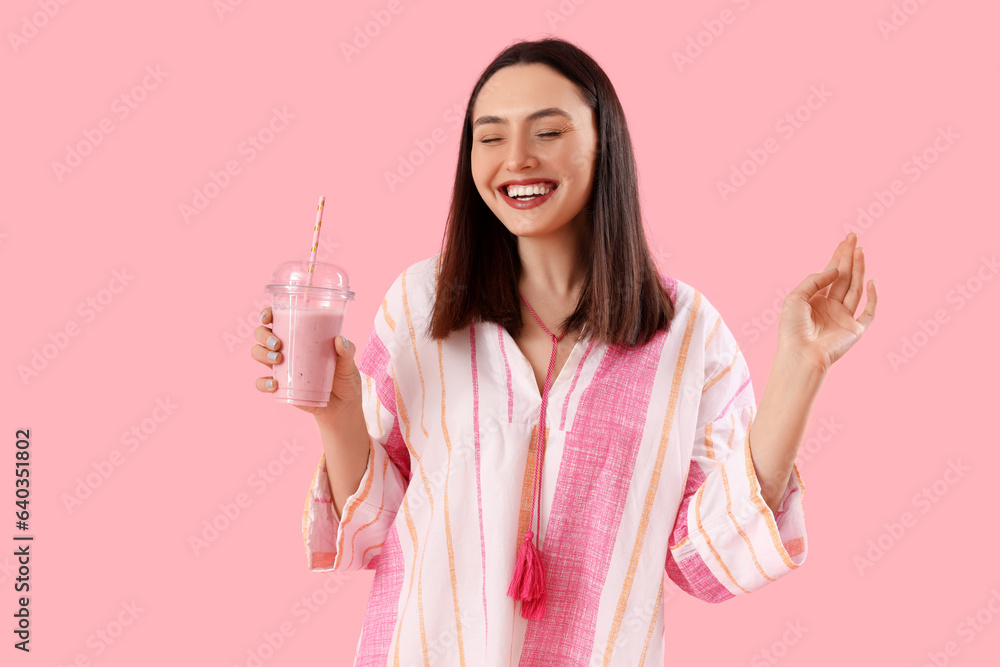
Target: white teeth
527 190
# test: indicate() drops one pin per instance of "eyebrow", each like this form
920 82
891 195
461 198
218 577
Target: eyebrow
541 113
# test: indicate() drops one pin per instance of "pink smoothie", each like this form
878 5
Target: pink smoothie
308 361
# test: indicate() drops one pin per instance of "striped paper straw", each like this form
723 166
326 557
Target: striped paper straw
315 243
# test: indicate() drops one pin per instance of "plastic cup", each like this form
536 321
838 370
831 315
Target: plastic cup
306 318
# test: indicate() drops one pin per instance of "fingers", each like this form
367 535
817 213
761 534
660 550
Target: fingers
853 296
265 356
871 303
845 263
264 382
813 283
267 352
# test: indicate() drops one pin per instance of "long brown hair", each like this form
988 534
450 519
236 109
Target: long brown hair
622 300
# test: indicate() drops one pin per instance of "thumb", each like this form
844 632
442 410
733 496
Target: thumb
345 352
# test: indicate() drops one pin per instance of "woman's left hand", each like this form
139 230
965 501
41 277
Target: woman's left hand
817 325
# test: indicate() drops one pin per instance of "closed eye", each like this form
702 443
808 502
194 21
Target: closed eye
543 134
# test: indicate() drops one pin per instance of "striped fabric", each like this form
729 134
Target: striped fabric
646 472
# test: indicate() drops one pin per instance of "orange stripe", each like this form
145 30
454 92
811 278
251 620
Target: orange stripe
413 344
682 542
729 503
528 487
388 317
385 468
652 624
723 373
399 622
401 406
378 405
762 507
715 327
654 483
708 540
447 519
709 446
374 546
349 514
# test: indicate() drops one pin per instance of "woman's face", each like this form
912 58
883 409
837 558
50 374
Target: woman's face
530 127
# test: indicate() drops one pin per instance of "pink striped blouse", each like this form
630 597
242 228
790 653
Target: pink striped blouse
646 472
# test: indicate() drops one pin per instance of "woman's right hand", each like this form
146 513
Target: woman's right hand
346 392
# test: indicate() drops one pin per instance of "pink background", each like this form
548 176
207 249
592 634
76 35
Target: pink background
175 331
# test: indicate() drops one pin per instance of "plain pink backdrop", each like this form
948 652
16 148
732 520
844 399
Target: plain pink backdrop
176 292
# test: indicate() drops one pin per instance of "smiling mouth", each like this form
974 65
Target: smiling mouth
527 193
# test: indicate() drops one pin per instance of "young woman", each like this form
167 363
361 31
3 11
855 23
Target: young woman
542 425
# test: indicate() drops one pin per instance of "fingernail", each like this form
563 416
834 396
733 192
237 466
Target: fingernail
272 341
347 343
269 384
273 356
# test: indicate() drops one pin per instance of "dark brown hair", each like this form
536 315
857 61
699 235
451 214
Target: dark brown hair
622 300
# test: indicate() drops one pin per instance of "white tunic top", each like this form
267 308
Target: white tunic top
646 471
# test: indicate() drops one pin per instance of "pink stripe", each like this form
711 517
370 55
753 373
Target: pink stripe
597 465
506 367
576 376
380 616
694 577
375 362
695 479
738 391
479 485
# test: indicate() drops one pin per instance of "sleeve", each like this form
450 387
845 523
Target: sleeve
353 540
726 541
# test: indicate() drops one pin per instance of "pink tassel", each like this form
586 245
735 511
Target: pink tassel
528 583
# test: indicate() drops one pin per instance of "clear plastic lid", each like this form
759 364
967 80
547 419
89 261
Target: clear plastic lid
294 275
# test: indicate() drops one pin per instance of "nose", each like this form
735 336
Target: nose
520 153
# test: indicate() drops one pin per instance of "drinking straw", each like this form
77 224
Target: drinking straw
315 243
